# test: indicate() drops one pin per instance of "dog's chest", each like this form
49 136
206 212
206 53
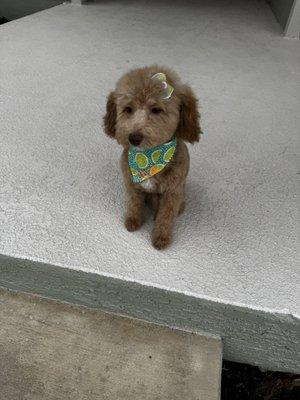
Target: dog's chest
148 185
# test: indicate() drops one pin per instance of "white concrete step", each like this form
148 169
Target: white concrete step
232 268
53 351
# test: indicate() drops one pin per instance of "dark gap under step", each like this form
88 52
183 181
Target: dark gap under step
245 382
3 20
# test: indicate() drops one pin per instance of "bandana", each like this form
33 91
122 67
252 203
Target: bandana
143 164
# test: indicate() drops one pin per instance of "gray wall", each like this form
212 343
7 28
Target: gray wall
281 9
12 9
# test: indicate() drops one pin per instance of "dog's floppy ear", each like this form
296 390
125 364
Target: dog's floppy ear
111 115
188 127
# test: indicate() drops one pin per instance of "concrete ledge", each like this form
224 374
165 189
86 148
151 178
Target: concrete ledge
260 338
232 269
52 351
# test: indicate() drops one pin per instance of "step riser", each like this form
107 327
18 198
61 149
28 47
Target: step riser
252 337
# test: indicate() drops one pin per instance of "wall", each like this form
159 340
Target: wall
13 9
287 13
281 9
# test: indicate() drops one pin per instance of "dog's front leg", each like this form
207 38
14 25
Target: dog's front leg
135 204
169 207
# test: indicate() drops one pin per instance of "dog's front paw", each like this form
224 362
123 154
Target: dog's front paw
161 240
132 223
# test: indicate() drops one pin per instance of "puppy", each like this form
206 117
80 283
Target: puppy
151 113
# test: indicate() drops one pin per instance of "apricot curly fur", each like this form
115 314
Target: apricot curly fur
129 110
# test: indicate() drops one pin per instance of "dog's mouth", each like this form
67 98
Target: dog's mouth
135 139
142 141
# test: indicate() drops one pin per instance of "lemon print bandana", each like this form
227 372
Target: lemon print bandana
143 164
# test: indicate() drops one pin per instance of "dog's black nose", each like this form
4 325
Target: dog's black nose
135 138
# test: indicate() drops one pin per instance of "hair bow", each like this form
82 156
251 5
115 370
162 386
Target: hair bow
168 89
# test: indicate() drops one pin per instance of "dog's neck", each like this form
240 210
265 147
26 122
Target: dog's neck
143 164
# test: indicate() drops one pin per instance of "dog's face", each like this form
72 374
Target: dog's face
138 115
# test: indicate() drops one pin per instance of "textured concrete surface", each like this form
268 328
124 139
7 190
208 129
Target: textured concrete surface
61 193
53 351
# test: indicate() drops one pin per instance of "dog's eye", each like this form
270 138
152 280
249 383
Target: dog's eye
128 110
156 110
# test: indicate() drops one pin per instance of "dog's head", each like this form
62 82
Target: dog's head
139 114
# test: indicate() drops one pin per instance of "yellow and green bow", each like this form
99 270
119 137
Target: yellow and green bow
168 89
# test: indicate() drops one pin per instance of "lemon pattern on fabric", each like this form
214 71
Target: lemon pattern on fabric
169 154
155 155
133 171
141 160
155 169
143 164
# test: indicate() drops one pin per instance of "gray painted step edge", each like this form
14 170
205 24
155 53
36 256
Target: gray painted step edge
269 340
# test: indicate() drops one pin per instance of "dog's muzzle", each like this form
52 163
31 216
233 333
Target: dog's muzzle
135 139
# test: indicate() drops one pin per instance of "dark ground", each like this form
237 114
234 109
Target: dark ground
245 382
3 20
